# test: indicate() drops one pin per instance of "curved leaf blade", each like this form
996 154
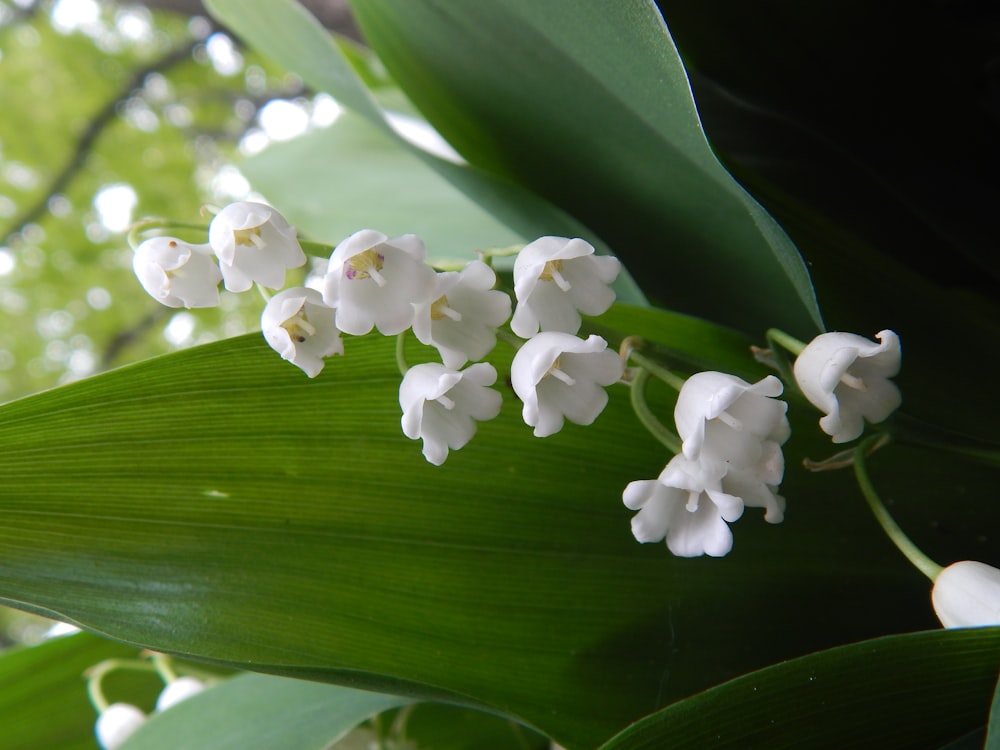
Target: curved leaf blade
910 692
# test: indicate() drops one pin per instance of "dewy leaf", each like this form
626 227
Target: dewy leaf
216 503
261 712
284 31
910 692
588 105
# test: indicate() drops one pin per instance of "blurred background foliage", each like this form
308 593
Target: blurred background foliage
113 112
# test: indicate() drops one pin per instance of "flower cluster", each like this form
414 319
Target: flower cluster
376 282
731 432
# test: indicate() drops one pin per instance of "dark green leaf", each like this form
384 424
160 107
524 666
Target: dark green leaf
910 692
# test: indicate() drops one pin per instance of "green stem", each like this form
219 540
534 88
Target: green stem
784 340
510 339
161 662
662 373
912 553
263 292
146 224
401 353
95 675
653 425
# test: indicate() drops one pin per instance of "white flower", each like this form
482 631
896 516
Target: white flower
555 279
373 281
177 273
180 689
687 507
847 378
439 405
298 326
558 375
462 314
967 594
254 243
116 724
728 423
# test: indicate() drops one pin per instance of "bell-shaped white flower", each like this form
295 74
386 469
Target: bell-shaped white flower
561 376
299 326
686 506
440 405
967 594
727 423
462 314
177 273
178 690
556 279
254 243
117 723
846 376
374 282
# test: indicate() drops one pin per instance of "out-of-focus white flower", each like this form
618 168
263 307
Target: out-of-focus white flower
561 376
685 505
116 724
177 273
462 314
967 594
180 689
298 326
440 405
254 243
726 423
555 279
374 281
846 376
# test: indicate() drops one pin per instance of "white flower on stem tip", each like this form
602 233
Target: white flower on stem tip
176 273
561 376
967 594
462 314
687 507
116 724
846 376
727 423
299 326
556 279
440 405
178 690
254 243
374 282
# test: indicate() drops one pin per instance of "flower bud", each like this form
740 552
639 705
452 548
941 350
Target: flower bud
116 724
967 594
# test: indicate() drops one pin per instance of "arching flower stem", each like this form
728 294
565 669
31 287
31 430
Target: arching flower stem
912 553
401 353
777 338
628 351
144 225
95 675
645 415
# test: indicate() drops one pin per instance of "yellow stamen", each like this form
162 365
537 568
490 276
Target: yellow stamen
440 310
366 265
552 272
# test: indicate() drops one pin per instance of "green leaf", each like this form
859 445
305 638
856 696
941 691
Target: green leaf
261 712
218 504
285 32
335 181
43 693
909 692
589 106
993 730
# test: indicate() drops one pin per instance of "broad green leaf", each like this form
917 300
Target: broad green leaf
910 692
261 712
351 176
218 504
43 692
438 726
589 106
285 32
993 729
